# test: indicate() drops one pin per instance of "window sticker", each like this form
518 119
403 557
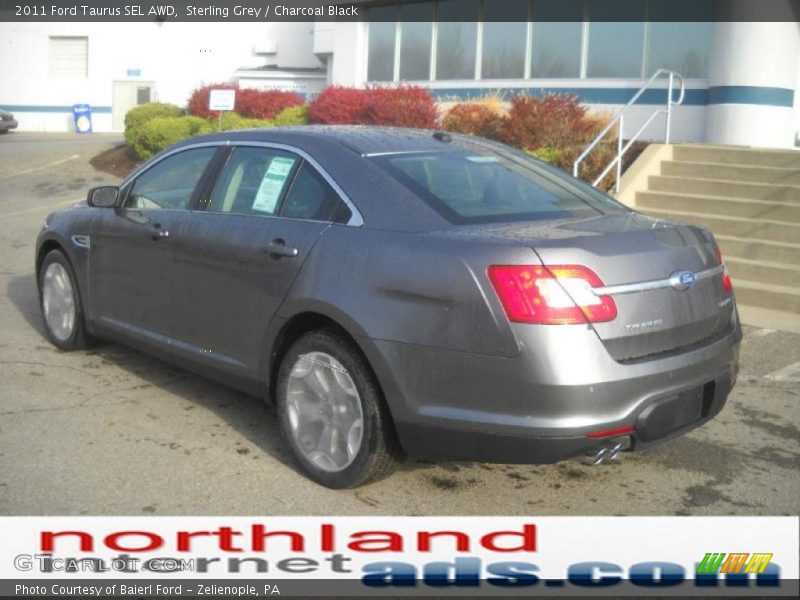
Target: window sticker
483 159
269 191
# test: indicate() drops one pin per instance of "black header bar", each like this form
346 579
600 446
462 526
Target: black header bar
363 10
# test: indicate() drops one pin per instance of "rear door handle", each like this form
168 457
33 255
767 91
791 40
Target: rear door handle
278 248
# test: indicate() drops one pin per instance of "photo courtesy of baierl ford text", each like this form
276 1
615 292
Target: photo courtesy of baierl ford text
384 298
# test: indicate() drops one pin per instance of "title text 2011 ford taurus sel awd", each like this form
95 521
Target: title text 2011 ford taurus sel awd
401 291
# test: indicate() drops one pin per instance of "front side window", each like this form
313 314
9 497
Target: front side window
484 187
170 183
254 181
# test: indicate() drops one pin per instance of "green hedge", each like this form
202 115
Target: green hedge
161 132
232 121
294 115
139 115
150 128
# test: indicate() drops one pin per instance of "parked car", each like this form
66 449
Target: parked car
7 121
401 292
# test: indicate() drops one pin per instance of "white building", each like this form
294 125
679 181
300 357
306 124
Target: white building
49 67
740 77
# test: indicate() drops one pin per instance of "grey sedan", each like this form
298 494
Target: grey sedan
399 292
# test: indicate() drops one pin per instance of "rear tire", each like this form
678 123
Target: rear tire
333 414
60 303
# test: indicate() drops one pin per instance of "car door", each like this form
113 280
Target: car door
130 263
236 260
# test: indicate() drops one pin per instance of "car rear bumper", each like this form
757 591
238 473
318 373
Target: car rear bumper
542 407
655 424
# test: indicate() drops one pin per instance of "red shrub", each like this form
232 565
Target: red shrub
198 101
556 120
474 119
255 104
338 106
403 106
264 104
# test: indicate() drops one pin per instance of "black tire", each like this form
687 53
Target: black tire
80 338
380 451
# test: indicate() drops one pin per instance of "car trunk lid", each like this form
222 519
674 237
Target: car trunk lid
664 277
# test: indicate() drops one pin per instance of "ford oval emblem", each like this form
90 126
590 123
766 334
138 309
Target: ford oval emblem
682 280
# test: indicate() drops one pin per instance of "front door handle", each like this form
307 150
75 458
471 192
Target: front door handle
159 233
277 248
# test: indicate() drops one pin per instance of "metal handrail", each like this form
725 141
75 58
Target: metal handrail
620 118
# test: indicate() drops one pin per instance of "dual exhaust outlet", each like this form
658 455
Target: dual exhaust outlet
604 453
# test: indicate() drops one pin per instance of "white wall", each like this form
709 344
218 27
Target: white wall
756 56
178 57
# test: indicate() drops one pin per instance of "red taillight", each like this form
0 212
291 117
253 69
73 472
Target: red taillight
727 284
610 433
551 295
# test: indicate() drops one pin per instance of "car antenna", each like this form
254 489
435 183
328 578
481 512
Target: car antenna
442 137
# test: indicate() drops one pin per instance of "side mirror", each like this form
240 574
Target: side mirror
103 197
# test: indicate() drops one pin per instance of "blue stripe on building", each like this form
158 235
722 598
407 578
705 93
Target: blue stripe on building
594 95
33 108
749 94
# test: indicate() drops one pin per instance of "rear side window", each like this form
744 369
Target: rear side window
483 187
311 197
170 183
254 181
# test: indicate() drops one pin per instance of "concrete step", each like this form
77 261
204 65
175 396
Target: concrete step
727 189
736 207
737 155
727 172
769 319
776 231
764 272
772 297
759 250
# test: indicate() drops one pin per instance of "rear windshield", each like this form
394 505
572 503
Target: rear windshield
484 187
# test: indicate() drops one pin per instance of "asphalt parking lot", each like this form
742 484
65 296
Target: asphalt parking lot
111 431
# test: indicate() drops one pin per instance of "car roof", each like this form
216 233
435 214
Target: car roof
361 139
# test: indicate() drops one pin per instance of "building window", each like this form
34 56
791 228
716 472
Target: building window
382 33
567 39
69 56
556 45
616 49
505 31
681 47
457 39
416 30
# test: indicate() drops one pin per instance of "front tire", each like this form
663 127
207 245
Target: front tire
60 303
333 414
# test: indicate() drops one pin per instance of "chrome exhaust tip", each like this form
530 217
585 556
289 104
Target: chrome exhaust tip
596 457
604 453
615 450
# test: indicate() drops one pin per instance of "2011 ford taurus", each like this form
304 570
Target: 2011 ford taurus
401 292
